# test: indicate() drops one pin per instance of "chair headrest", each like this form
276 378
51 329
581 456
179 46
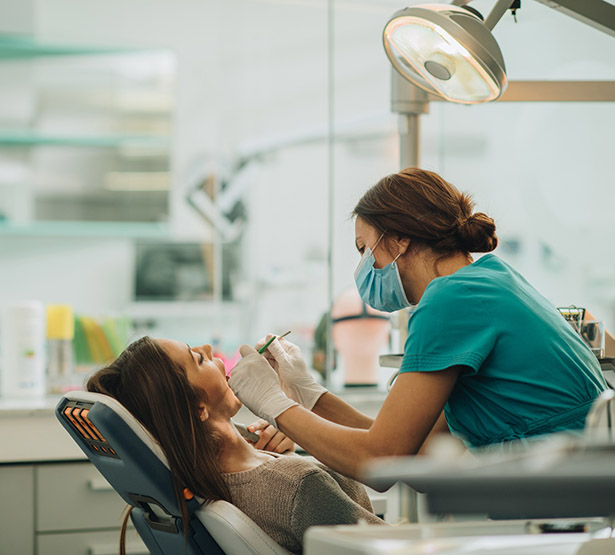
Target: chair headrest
117 407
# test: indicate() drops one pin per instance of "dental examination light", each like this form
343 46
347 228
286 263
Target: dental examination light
448 50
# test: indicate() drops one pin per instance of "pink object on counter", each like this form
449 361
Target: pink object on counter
230 362
359 334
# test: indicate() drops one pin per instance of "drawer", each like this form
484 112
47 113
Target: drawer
90 543
75 497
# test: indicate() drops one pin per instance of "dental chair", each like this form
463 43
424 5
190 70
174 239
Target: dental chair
133 463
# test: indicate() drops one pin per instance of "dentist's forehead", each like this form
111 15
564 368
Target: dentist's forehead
364 231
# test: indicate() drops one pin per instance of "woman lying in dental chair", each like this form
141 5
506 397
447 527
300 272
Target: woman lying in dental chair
180 394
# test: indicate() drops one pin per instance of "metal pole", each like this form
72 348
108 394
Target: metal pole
329 349
409 102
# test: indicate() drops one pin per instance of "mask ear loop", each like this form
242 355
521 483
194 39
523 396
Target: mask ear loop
377 243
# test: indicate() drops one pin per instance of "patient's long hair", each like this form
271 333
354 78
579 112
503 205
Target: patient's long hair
156 391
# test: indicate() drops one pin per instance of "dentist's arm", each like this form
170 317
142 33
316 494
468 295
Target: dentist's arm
405 419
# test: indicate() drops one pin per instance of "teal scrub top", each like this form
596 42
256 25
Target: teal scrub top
527 372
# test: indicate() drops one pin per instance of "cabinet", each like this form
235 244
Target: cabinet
84 139
61 509
16 509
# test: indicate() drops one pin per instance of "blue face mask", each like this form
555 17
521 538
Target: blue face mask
380 288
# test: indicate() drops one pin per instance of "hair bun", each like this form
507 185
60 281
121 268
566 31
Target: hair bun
476 233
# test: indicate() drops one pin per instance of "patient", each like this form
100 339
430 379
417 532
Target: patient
180 394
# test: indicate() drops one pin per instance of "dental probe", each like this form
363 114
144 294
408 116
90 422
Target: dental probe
264 347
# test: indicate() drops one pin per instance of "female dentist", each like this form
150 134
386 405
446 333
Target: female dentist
486 354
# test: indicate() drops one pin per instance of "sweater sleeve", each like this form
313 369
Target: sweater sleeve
319 500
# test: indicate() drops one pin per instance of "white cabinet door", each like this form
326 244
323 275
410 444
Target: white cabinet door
16 509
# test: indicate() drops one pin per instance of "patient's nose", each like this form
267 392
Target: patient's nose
207 350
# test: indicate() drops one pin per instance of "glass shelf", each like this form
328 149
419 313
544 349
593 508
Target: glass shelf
141 230
25 47
71 120
25 139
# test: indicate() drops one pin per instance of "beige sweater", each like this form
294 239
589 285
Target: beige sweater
289 493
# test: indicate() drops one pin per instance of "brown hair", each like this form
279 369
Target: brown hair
421 206
156 391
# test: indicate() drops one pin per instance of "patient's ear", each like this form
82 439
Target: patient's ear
203 413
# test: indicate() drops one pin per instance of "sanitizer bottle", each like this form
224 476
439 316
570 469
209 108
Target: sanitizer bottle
22 367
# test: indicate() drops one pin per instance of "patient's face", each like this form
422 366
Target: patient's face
205 372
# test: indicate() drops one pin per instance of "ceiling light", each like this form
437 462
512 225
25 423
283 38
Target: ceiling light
448 51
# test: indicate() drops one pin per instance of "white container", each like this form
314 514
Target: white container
22 368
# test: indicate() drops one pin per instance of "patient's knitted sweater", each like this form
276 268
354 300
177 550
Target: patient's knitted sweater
287 494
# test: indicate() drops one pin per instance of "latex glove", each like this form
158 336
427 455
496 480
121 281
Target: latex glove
295 378
257 386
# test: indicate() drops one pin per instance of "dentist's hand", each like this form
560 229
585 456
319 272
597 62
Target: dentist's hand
257 386
295 378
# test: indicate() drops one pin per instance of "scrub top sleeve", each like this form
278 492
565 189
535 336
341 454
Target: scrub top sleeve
451 326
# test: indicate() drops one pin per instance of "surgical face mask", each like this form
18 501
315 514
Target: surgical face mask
380 288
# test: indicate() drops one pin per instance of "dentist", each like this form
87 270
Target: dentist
487 356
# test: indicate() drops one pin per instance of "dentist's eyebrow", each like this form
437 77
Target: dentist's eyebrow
189 351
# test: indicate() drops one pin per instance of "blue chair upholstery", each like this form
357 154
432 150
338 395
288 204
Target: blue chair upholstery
133 463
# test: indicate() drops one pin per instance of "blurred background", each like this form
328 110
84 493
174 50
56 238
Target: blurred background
187 169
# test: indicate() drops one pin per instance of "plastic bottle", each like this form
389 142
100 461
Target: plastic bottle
60 362
23 350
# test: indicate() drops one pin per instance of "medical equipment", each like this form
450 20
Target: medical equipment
448 50
132 462
555 478
264 347
450 538
591 331
245 433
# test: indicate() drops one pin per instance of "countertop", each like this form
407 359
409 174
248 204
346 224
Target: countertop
30 432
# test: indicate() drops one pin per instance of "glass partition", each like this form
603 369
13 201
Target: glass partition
241 194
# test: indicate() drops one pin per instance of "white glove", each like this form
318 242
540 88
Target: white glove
257 386
295 378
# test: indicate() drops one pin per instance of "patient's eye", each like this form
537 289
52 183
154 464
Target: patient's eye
200 355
